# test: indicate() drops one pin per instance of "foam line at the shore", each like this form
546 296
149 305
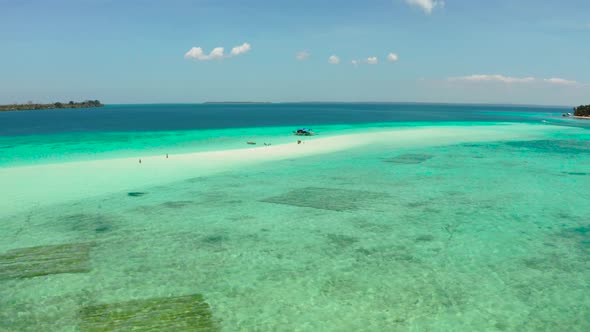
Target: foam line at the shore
27 186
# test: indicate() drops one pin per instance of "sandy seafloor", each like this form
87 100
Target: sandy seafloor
473 227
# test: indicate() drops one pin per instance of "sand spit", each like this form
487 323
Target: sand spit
27 186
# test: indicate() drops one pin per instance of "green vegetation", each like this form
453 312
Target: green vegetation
45 260
31 106
583 110
179 314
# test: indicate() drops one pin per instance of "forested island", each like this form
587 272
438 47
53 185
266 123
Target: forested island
583 110
31 106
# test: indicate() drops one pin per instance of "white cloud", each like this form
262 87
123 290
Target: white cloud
218 53
427 5
334 60
392 57
303 55
244 48
492 78
372 60
559 81
197 53
509 80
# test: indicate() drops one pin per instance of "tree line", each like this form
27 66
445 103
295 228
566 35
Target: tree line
583 110
32 106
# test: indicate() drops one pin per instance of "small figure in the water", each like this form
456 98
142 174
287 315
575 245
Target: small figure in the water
298 141
140 160
166 156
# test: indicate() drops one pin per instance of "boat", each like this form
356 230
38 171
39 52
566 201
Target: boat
304 132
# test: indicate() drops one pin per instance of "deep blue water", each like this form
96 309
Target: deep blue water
130 118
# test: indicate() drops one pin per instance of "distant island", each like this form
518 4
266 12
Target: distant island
582 111
31 106
237 102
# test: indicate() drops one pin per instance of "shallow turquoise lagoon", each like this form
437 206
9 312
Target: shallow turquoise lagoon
471 235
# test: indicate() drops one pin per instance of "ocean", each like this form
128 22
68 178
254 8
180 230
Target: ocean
394 217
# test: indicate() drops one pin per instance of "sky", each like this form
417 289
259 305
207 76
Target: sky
181 51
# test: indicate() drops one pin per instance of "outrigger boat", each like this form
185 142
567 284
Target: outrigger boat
304 132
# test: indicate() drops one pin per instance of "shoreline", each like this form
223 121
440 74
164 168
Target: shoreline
581 117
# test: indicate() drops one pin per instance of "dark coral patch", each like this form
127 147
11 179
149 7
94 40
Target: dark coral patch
327 198
88 223
215 239
425 238
576 173
409 159
553 146
341 241
176 204
579 234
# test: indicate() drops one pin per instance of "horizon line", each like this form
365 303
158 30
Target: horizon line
341 102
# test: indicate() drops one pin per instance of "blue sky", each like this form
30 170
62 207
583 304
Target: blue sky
502 51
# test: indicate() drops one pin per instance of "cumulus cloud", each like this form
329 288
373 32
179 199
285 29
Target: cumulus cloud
427 5
559 81
392 57
334 60
509 80
218 53
492 78
303 55
370 60
241 49
197 53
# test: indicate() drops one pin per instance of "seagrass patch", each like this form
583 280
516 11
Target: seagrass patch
177 314
327 198
45 260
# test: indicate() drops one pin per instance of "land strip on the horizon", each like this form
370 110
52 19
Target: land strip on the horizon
237 102
31 106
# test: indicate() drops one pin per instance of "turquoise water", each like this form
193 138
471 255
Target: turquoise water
455 226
